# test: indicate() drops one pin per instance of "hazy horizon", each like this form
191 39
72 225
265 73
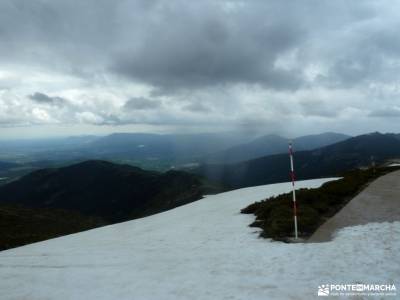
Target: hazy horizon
250 136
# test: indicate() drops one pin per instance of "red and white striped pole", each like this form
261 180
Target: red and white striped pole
293 190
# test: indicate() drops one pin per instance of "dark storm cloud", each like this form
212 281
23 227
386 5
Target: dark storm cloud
169 45
318 108
194 46
211 53
63 36
386 113
45 99
370 58
173 45
197 107
140 103
207 57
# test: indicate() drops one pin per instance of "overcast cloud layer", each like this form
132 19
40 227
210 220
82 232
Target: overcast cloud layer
288 67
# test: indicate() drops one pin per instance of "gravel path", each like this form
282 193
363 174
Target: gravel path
379 202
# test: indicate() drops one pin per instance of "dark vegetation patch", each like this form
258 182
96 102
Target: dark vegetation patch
110 191
275 214
57 201
22 225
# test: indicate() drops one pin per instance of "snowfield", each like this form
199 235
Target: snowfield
203 250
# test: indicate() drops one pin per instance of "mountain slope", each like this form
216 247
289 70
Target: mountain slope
327 161
314 141
273 144
4 165
6 168
265 145
97 188
203 250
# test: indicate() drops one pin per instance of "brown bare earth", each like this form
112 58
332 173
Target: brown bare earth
379 202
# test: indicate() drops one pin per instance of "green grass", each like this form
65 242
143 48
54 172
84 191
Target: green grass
275 215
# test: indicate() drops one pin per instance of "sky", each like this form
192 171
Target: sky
70 67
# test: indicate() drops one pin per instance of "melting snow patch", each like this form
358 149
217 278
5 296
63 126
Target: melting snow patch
394 165
203 250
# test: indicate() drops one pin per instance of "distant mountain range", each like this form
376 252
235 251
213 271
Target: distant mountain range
273 144
172 149
176 147
326 161
45 144
61 200
5 169
148 151
116 192
97 188
181 148
4 165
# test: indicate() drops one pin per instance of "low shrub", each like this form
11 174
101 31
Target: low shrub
274 215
